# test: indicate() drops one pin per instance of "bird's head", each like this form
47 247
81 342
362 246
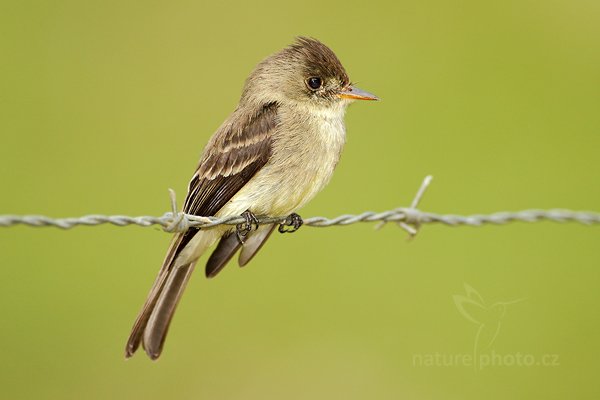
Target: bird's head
307 72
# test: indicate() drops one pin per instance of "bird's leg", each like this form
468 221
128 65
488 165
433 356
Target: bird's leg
242 230
294 221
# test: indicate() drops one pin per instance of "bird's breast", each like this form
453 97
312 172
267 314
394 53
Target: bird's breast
306 149
305 156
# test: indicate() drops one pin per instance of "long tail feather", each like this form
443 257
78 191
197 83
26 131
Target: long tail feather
162 314
135 337
152 323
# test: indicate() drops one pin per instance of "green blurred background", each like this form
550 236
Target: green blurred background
106 104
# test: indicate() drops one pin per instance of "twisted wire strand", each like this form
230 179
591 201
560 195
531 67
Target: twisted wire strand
407 215
409 218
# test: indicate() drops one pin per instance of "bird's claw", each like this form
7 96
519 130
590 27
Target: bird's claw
242 230
291 224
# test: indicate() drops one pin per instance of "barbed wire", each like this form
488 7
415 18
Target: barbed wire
408 218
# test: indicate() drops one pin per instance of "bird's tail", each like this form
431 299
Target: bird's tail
151 326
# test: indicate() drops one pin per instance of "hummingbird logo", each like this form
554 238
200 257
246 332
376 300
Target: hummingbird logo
488 318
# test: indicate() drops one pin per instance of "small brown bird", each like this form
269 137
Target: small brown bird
273 154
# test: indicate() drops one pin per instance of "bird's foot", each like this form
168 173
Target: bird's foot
291 224
242 230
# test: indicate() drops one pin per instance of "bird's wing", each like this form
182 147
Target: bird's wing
254 243
473 294
470 309
235 153
227 247
231 158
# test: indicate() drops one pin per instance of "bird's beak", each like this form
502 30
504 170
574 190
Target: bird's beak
354 93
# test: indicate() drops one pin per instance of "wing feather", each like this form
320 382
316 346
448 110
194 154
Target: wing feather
235 153
232 157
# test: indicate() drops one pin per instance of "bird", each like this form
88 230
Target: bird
488 318
272 155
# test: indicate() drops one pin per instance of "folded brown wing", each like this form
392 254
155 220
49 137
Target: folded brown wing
230 160
233 156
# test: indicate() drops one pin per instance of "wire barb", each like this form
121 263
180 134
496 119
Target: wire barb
179 222
412 223
410 219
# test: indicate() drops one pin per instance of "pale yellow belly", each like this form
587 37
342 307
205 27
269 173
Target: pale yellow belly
278 192
301 164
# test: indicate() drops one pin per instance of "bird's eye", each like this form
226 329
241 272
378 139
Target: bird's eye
314 82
